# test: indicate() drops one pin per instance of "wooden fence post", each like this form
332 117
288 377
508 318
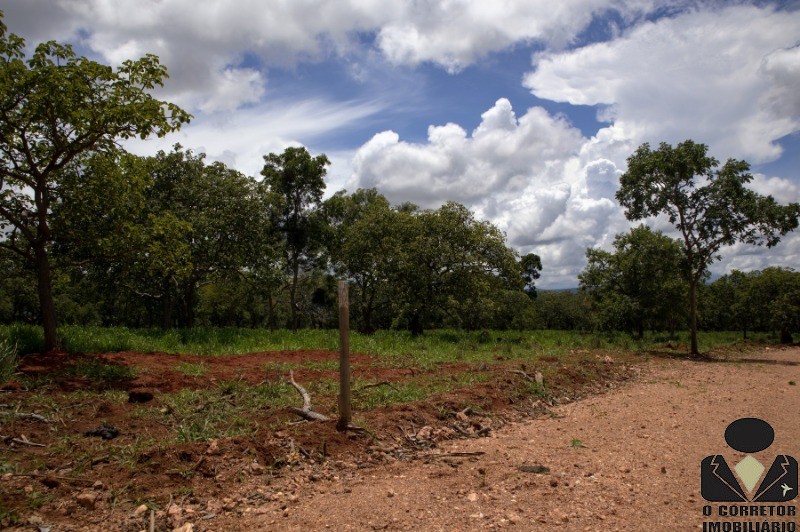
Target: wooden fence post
344 356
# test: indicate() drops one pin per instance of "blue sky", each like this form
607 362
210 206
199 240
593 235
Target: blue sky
523 110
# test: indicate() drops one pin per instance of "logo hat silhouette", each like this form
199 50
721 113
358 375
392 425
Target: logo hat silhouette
749 435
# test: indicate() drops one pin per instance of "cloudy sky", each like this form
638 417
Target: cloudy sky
524 110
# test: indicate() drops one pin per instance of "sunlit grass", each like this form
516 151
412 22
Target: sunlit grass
394 346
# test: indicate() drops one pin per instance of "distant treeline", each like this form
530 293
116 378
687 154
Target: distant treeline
170 241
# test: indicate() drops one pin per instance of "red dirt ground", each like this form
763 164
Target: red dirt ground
121 473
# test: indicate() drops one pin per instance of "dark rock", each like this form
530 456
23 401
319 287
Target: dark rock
537 468
140 395
107 432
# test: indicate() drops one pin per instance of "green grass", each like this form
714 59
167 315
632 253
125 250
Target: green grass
99 372
396 346
225 410
8 359
192 370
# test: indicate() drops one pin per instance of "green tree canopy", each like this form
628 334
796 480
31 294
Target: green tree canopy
56 107
710 205
295 182
640 284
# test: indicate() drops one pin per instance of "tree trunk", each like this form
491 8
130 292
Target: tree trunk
46 303
166 310
416 325
293 294
694 351
188 303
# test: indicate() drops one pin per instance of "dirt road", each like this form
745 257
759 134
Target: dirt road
626 460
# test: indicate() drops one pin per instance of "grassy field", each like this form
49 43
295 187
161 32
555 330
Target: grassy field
434 345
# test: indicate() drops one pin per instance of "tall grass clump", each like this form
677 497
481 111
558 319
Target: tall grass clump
8 360
26 338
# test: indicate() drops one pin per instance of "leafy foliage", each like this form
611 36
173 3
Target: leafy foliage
640 285
709 205
57 108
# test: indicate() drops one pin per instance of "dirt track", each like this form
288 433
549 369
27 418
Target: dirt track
638 468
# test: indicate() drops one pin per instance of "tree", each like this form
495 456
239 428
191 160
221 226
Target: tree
362 245
709 205
449 262
55 108
295 181
531 266
639 284
227 227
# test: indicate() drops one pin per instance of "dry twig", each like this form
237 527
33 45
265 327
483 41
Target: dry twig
306 412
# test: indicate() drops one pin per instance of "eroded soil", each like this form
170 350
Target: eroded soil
624 456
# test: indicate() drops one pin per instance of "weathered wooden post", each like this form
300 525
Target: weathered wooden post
344 356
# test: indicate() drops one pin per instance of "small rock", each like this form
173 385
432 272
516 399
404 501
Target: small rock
98 485
472 497
539 378
140 510
391 493
87 500
187 527
213 447
425 433
105 431
257 469
462 417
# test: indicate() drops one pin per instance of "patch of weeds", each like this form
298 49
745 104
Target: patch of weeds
129 455
228 410
8 360
322 365
183 491
99 371
8 516
281 367
36 382
407 392
576 443
111 396
534 388
192 370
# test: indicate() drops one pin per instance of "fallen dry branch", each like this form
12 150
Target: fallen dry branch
26 415
306 412
454 454
21 441
538 378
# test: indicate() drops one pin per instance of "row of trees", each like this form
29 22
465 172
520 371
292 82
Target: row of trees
642 285
154 240
122 239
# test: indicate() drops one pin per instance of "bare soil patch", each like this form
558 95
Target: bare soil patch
77 481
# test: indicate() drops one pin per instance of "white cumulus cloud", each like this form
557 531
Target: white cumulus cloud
725 77
527 174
